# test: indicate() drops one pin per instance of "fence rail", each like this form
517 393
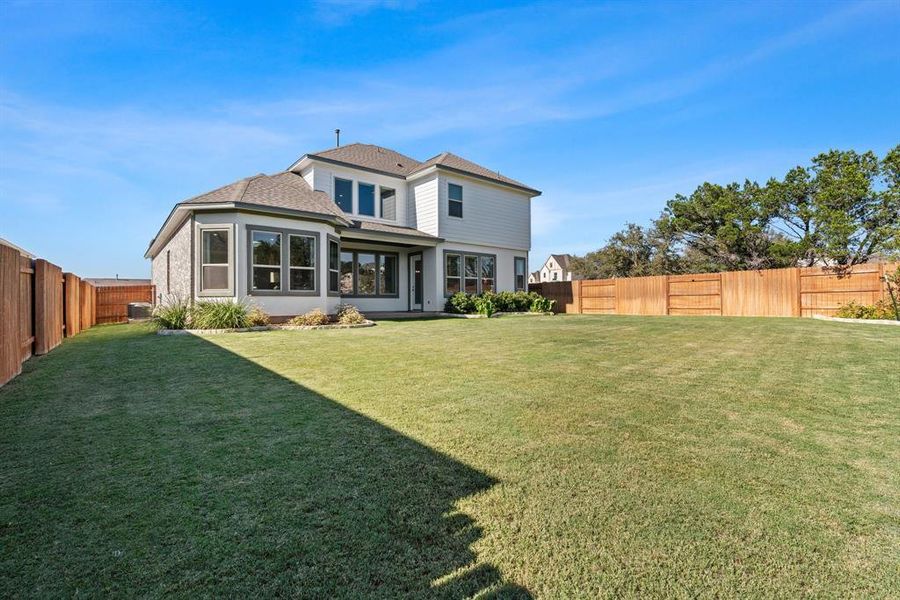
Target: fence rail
40 305
793 292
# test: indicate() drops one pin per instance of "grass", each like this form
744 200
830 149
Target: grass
547 457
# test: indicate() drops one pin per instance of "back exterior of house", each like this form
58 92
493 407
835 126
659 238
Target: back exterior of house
358 224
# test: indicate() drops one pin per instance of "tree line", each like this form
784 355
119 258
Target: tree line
841 210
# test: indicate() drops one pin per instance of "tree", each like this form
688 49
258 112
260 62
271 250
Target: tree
632 252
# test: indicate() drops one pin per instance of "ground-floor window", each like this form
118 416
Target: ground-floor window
470 273
215 261
282 261
520 269
366 273
334 266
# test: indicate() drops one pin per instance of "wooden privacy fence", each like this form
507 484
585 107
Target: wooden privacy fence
40 305
793 292
113 301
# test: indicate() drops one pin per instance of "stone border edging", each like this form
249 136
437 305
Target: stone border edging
869 321
367 323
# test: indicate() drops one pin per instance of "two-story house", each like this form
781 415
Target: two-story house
557 267
360 224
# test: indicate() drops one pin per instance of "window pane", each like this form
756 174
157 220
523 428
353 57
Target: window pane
214 278
367 199
452 285
365 274
471 286
452 269
333 252
266 278
455 209
487 267
343 194
333 281
455 192
520 282
346 272
215 248
520 266
303 251
303 279
266 248
388 204
471 266
487 285
387 275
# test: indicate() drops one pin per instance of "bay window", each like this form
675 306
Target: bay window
265 260
365 274
347 260
334 266
282 261
215 261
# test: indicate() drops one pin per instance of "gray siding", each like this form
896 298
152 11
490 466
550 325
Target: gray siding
492 215
422 207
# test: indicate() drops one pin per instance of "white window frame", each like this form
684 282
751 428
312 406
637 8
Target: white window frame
380 200
198 253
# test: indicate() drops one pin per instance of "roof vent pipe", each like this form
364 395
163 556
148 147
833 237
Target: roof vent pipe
337 138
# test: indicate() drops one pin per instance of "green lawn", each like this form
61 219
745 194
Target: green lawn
545 457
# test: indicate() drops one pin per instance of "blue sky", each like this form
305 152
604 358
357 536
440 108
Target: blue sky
110 113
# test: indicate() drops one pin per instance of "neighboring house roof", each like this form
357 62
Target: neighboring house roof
371 157
114 281
536 274
391 162
285 190
563 260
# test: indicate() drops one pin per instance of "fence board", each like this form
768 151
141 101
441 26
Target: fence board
48 306
598 296
765 293
71 304
26 307
641 295
10 344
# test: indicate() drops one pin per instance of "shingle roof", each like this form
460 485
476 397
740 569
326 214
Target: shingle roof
562 260
282 190
385 228
370 157
452 161
385 160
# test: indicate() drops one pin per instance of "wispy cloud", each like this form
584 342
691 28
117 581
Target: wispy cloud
339 12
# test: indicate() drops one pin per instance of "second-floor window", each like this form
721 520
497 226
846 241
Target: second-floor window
343 194
388 203
455 198
366 199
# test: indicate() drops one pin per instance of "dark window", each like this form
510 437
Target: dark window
455 195
366 199
343 194
520 273
487 274
452 273
266 258
369 274
302 263
347 272
388 203
334 266
471 272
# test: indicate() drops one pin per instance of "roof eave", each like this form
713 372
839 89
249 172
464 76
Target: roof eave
432 168
341 163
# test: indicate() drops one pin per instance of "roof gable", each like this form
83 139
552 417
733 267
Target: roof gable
371 157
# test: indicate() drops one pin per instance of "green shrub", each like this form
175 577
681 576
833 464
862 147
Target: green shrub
257 317
347 314
539 304
513 301
461 303
484 304
224 314
175 315
880 310
313 317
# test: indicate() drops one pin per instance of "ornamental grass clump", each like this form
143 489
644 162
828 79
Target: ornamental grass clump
174 315
257 317
880 310
212 314
347 314
312 318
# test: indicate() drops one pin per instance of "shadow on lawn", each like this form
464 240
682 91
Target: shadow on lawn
233 480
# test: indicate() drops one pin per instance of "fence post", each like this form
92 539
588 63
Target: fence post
576 292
